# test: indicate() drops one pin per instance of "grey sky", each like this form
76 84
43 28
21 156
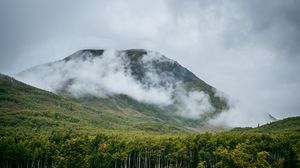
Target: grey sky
248 49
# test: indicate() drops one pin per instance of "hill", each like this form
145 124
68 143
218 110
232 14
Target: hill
287 125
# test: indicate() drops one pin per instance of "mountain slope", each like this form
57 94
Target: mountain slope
287 125
28 109
146 82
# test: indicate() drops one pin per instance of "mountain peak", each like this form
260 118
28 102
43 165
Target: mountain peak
132 54
84 54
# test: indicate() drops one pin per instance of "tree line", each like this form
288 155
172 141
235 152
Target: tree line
69 149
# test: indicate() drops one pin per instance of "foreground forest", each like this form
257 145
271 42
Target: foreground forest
231 149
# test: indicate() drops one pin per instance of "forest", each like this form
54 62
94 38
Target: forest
231 149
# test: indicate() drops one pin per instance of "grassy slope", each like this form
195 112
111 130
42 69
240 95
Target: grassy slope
131 108
287 125
25 108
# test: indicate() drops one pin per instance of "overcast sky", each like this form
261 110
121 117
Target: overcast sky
249 49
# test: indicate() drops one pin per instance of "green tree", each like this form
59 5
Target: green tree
261 160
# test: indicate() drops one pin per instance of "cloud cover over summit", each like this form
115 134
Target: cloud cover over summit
146 76
248 49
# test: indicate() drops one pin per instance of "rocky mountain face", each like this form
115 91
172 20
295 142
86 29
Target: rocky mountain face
133 82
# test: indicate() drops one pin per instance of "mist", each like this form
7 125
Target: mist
85 74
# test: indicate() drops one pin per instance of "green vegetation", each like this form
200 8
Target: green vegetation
28 109
291 124
41 129
80 150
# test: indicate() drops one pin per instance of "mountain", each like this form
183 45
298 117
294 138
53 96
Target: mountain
131 108
132 82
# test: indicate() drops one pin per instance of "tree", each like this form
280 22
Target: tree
261 160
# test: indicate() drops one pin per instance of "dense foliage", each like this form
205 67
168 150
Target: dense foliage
205 150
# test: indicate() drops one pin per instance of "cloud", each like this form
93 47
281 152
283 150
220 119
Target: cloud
101 76
193 104
247 49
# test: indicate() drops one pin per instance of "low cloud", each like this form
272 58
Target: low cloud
194 104
101 76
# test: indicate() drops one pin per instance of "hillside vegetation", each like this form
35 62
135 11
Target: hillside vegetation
28 109
291 124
